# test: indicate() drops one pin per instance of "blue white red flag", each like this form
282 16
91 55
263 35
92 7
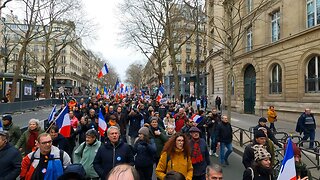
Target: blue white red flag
196 118
105 92
1 127
52 113
142 95
288 169
102 124
63 122
98 93
126 90
160 93
103 71
116 85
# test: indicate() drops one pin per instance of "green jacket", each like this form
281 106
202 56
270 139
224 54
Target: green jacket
14 133
85 156
22 142
302 170
159 140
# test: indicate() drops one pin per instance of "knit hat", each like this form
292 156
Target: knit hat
260 153
7 117
194 129
262 119
259 133
144 131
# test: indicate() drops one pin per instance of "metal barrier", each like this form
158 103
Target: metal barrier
311 157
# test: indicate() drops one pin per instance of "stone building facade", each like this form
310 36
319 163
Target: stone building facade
277 61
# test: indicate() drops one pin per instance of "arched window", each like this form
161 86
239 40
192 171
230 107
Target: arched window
212 81
312 75
276 80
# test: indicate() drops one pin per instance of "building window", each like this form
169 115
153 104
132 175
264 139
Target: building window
63 70
312 75
249 39
313 13
275 26
249 5
232 85
276 80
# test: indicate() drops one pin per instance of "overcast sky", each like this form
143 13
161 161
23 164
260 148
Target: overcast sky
104 14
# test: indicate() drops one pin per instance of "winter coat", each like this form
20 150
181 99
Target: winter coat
258 174
61 142
144 153
224 133
28 167
200 168
302 170
135 123
177 162
85 155
14 133
180 121
22 142
122 121
272 116
109 155
10 162
212 123
159 140
306 123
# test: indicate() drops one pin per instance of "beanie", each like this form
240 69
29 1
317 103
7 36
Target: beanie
144 131
262 119
259 133
7 117
260 153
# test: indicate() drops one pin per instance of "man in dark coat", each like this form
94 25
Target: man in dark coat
135 119
59 141
112 153
13 130
224 136
10 158
263 123
307 125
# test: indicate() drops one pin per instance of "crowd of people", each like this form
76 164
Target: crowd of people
144 139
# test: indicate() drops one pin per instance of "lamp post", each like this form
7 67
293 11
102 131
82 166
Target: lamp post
197 51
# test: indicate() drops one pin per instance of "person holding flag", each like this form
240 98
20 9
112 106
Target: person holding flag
160 93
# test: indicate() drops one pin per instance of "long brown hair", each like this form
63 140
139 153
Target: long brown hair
171 145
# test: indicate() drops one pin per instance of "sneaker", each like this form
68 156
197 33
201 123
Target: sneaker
210 152
226 162
215 154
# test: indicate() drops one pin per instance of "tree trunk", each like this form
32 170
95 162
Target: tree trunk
17 73
47 87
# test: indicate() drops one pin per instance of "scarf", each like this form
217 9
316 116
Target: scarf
32 140
196 155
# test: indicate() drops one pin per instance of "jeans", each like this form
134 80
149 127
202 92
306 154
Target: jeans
213 142
309 134
224 156
272 127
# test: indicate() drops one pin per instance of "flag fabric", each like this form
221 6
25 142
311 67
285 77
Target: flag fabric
116 85
63 122
160 93
1 127
105 92
97 93
52 113
103 71
142 95
102 124
288 169
196 118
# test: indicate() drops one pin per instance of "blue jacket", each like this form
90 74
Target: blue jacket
109 155
10 162
144 153
200 168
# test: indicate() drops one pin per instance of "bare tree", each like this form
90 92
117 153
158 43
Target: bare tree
134 74
141 30
8 48
230 29
159 29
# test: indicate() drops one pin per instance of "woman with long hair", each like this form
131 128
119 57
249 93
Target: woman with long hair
176 156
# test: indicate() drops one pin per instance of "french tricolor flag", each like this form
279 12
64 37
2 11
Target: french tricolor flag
98 93
64 123
51 115
102 124
288 169
196 118
103 71
160 93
